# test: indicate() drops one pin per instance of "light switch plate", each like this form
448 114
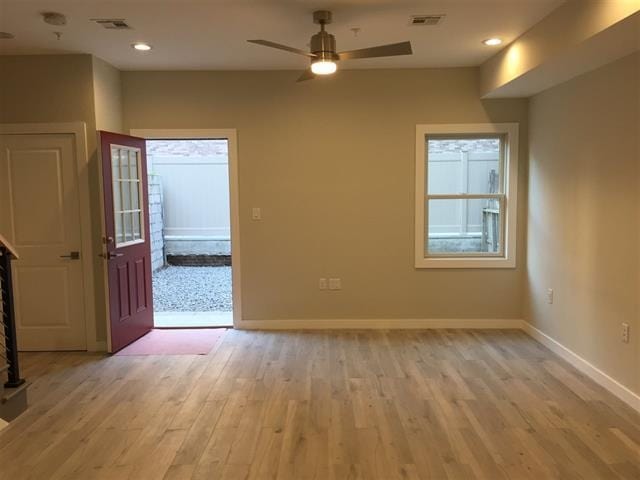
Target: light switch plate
625 332
549 296
256 213
335 284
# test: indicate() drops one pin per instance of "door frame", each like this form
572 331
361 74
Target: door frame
79 131
229 134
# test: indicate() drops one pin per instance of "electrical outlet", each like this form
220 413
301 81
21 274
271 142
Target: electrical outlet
322 284
625 332
335 284
550 296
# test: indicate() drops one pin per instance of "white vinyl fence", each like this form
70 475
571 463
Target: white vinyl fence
195 184
459 172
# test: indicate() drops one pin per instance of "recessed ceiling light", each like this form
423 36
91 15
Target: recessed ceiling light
492 41
141 46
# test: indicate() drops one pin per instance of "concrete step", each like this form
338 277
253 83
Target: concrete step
13 401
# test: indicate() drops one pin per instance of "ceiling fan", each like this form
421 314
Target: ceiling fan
323 49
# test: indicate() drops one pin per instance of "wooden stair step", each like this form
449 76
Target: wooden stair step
13 401
9 393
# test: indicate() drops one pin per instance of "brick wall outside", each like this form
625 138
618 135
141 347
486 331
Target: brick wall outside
484 145
187 148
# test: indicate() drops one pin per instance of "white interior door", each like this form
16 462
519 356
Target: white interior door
40 215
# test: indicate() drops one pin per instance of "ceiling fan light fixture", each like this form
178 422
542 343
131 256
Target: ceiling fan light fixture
324 54
324 67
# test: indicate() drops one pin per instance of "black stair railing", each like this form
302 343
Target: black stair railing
9 347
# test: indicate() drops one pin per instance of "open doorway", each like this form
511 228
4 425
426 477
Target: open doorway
190 230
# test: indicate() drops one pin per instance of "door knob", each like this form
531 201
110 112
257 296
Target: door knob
72 256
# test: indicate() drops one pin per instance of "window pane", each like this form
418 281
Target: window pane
133 164
136 226
115 163
458 166
135 195
463 226
126 195
119 229
117 196
124 164
128 227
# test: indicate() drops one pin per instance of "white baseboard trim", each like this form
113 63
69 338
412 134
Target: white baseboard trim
378 323
623 393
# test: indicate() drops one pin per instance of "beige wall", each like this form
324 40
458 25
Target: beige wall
107 94
46 88
558 34
331 164
584 216
60 88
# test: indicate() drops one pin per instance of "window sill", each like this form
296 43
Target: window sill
467 262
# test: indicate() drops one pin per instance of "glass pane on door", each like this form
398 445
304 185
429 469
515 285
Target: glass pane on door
118 228
137 234
127 192
135 197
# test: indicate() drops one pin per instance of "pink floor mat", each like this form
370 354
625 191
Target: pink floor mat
192 341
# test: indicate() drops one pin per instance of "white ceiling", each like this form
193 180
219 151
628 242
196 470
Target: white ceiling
212 34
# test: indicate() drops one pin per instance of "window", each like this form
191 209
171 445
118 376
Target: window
466 182
127 191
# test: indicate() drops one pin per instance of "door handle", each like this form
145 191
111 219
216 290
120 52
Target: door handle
110 255
72 256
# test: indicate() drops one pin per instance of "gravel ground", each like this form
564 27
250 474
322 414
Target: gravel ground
192 289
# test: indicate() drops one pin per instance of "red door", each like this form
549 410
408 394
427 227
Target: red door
127 245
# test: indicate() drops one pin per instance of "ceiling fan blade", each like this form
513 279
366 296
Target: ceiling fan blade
306 75
267 43
391 50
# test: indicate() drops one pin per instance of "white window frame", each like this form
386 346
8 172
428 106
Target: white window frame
509 205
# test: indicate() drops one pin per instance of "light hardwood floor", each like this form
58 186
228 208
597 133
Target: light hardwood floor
326 405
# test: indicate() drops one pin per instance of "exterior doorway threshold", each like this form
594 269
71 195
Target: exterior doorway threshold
192 319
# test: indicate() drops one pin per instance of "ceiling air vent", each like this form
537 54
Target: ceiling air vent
112 23
426 20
